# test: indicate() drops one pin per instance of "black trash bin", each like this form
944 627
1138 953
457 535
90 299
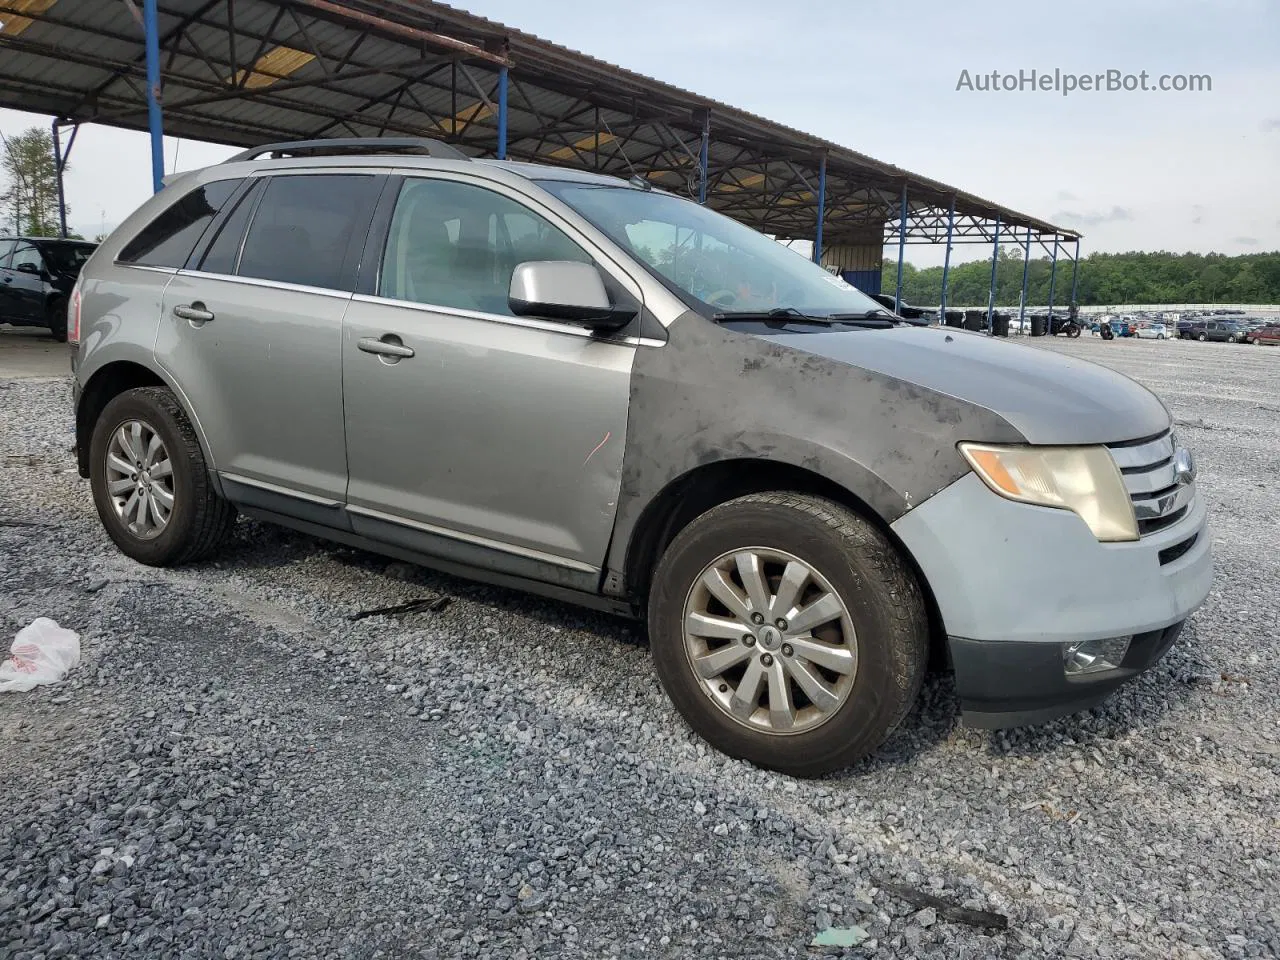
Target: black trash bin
1038 323
1000 324
975 319
955 318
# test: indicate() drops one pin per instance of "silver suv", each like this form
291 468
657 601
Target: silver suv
588 388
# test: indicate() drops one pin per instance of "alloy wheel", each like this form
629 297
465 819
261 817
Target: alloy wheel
770 641
139 479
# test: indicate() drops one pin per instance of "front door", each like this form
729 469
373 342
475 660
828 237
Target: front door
474 434
26 284
252 334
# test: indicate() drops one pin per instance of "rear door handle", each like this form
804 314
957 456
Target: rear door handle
389 346
193 311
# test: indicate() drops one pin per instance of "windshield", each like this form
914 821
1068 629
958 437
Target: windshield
718 266
66 257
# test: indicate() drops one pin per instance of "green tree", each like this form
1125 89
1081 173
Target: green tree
30 185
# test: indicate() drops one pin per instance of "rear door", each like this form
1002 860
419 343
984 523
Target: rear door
252 331
496 440
6 297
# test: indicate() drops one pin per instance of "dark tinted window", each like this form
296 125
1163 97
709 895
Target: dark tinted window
302 227
167 240
456 245
223 252
26 253
6 248
66 257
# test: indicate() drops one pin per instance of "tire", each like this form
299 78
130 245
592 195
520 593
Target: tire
1073 331
198 520
881 602
1202 338
56 319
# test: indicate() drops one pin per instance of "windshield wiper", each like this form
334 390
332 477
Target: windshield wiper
777 313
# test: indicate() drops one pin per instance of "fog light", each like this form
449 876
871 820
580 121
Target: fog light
1094 656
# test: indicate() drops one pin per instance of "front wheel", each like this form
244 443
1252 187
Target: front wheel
788 631
151 482
1202 338
1073 330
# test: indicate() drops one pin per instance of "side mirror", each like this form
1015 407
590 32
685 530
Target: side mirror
564 290
28 267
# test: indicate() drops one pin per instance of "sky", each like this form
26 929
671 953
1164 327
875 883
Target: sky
1131 170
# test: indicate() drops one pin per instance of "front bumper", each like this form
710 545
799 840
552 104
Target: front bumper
1015 582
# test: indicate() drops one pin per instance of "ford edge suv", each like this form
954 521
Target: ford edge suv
589 388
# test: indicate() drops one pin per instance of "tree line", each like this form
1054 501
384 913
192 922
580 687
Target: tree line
1105 278
29 184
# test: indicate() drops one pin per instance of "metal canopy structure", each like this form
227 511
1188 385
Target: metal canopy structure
243 72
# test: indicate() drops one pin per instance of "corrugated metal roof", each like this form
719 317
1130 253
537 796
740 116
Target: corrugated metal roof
256 70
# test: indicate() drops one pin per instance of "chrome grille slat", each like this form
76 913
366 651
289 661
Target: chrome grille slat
1145 454
1153 508
1150 476
1159 478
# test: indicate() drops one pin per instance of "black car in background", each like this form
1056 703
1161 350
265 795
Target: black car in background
1224 331
36 277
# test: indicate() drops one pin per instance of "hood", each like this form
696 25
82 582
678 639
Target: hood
1048 398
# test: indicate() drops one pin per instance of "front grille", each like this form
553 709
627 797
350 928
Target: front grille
1150 476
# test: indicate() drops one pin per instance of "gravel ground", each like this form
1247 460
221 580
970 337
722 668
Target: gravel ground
238 770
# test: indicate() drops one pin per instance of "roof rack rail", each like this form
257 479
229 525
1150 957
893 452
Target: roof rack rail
337 146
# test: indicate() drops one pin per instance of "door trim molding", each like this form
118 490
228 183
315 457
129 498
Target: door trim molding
282 491
474 539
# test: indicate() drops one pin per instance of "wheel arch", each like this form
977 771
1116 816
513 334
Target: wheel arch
698 490
108 382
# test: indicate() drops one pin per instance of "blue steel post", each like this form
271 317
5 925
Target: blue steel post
995 259
946 262
822 210
902 250
1075 272
1026 275
703 153
502 113
155 119
1053 280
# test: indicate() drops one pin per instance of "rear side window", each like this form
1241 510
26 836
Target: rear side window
303 227
168 240
223 253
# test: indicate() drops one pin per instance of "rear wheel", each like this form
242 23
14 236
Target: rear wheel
788 631
56 319
151 483
1202 338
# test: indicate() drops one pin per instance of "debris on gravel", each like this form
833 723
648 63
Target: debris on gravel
239 770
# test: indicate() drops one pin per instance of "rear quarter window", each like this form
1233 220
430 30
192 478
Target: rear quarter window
167 241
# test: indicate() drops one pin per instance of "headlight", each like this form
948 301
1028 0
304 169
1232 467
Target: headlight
1084 480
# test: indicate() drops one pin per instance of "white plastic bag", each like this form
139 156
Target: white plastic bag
41 653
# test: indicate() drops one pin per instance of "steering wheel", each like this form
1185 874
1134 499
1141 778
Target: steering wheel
722 298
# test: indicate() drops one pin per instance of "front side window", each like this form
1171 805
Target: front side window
303 226
168 240
26 253
456 245
717 265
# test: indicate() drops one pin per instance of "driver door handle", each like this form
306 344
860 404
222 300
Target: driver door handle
388 346
193 311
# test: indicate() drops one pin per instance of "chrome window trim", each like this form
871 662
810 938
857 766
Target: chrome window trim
474 539
144 266
272 284
530 323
